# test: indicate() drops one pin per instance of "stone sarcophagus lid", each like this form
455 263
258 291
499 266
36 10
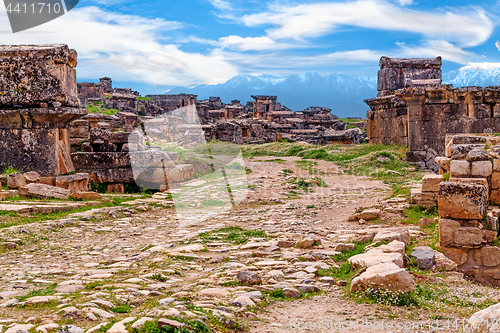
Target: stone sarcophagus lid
34 74
38 100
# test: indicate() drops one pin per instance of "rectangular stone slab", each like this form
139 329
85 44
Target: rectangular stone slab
34 74
430 183
462 201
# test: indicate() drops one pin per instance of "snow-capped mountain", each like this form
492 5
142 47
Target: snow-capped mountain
471 77
344 94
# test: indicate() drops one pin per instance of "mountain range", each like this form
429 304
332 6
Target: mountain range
344 94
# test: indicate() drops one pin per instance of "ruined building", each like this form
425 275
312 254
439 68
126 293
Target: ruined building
414 109
38 100
261 121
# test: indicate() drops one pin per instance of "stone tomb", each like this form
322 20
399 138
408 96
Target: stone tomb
38 99
414 109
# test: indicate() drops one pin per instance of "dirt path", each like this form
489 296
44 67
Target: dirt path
137 254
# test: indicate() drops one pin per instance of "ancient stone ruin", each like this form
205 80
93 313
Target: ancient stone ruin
261 121
38 101
414 109
467 228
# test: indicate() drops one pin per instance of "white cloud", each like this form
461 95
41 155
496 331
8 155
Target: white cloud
124 47
481 65
497 44
221 4
405 2
248 43
286 64
469 27
434 48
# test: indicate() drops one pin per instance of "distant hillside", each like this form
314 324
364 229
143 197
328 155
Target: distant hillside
344 94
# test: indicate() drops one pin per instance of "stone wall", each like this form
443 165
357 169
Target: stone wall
468 228
414 109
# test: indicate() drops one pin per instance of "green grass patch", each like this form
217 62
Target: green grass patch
235 235
415 213
47 291
124 308
9 170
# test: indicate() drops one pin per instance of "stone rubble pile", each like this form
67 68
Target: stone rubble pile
468 228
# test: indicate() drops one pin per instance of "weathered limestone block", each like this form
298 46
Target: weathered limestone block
400 73
460 169
469 237
488 256
447 231
99 135
495 197
457 255
443 162
388 235
85 196
491 94
423 199
496 165
79 129
392 247
386 276
493 273
180 173
478 155
442 262
485 321
430 182
481 169
34 74
99 161
495 180
119 137
32 177
16 180
43 191
492 222
369 214
373 257
490 235
74 183
460 151
32 139
477 181
462 201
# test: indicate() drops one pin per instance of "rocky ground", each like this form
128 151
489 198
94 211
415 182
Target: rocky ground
276 262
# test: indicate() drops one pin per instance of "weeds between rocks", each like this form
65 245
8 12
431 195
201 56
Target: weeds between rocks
385 163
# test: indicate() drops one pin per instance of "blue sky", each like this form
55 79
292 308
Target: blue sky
189 42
